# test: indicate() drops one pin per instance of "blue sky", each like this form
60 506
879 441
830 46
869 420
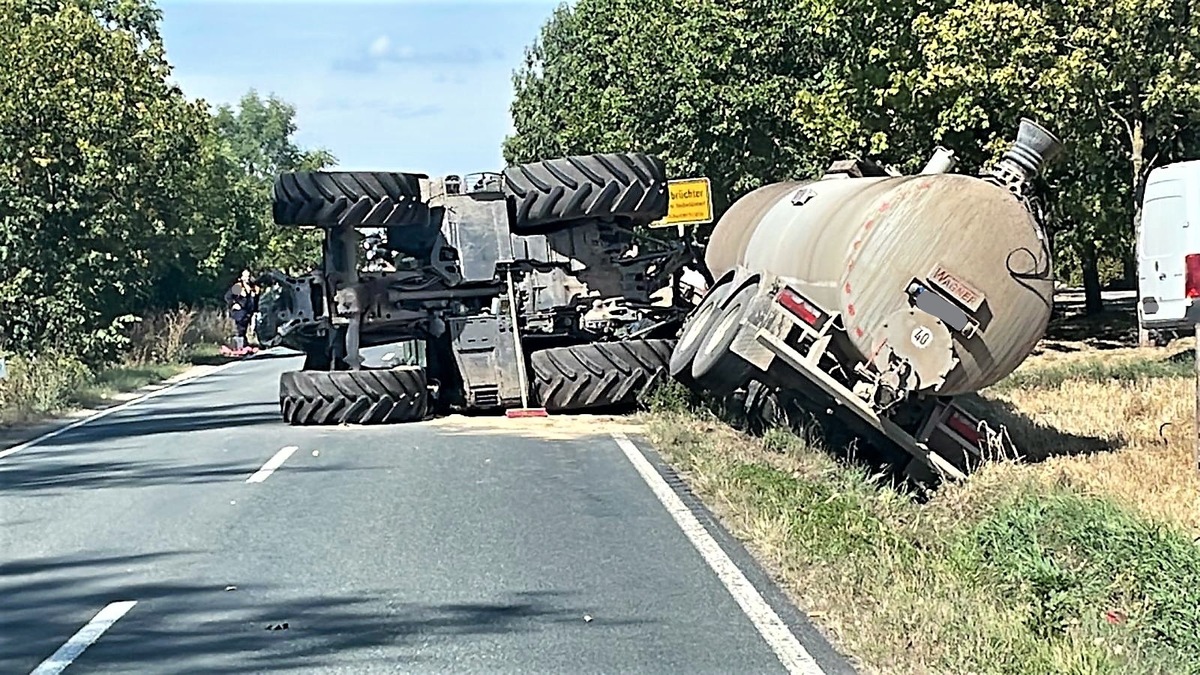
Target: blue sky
405 85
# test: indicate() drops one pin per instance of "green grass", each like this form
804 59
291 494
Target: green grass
108 383
1004 574
1096 370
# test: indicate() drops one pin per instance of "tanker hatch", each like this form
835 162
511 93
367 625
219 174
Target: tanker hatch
917 352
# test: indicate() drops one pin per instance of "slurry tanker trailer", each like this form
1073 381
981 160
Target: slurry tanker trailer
875 299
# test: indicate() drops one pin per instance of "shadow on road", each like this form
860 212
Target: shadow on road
48 477
194 626
142 422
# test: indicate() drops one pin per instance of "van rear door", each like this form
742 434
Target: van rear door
1164 241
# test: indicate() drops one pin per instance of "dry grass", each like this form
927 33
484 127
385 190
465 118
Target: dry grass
1153 469
1015 570
911 588
1145 410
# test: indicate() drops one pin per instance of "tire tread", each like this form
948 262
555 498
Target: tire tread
630 186
348 198
321 398
599 374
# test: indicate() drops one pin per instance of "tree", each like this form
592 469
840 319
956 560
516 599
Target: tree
701 83
705 84
248 147
1132 67
94 159
117 193
1116 80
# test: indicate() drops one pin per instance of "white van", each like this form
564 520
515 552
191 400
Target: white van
1168 252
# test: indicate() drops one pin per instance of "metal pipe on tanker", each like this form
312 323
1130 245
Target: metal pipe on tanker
943 161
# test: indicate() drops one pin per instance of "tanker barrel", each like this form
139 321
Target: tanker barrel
1034 147
943 161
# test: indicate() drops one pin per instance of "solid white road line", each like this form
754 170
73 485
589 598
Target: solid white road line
108 411
272 464
772 629
70 651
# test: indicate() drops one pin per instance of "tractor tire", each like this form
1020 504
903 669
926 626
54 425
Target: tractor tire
597 375
313 397
348 198
628 186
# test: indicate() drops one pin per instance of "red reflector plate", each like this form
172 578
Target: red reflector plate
963 428
526 412
792 302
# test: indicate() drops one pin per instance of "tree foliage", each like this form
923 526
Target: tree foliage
753 91
117 192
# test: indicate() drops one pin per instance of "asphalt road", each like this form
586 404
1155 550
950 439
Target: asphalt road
413 548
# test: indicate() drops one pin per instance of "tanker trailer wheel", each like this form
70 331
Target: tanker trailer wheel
715 367
598 374
318 398
626 185
349 199
693 334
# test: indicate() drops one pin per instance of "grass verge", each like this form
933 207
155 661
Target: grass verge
1081 562
160 347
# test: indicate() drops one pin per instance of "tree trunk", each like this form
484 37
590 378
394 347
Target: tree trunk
1092 299
1137 159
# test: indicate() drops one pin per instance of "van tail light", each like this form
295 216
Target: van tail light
1192 279
800 307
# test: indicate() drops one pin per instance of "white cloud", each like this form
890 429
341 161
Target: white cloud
380 46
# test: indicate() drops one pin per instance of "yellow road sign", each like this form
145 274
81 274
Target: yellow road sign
690 203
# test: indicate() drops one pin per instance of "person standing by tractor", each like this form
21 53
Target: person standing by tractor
242 301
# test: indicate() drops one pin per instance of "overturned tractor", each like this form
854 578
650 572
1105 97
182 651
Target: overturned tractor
532 287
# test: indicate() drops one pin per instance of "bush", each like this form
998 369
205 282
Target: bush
40 385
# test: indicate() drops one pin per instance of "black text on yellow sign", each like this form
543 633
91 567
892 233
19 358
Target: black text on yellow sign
690 203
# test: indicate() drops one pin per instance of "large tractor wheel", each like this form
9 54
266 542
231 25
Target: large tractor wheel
628 186
348 198
597 375
313 397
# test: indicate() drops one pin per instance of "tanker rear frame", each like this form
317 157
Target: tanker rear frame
782 335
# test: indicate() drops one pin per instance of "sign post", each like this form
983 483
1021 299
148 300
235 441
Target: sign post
690 203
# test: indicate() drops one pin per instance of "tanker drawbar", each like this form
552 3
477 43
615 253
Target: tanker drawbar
879 296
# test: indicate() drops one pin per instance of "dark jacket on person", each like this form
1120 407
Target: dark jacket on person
246 302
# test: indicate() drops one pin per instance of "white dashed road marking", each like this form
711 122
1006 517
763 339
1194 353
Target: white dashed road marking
272 464
791 653
70 651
